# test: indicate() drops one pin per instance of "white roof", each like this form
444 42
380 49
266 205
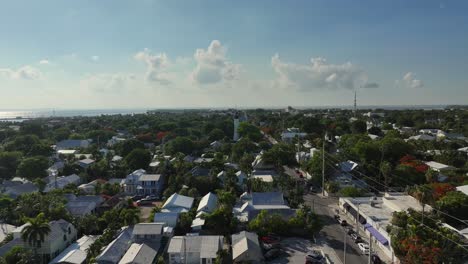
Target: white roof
197 222
207 246
67 151
246 242
138 254
86 161
150 177
208 203
463 189
438 166
178 201
5 229
76 252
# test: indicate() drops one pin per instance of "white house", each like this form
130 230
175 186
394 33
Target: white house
246 248
194 249
76 252
139 254
167 219
177 203
139 182
207 205
292 133
61 235
85 163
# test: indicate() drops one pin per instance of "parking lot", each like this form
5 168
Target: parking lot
295 250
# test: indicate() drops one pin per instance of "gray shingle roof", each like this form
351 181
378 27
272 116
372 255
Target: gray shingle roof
147 229
267 198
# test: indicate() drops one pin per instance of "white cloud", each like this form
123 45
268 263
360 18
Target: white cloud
24 73
44 62
319 75
409 81
107 82
213 66
156 66
95 58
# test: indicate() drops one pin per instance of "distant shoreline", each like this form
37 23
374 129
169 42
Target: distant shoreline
25 114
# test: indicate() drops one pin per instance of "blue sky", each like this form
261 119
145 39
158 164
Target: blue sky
154 53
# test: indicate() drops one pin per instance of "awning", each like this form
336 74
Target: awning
376 234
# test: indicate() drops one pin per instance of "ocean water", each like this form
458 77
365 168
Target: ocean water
18 115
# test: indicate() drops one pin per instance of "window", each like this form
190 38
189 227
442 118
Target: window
64 237
69 230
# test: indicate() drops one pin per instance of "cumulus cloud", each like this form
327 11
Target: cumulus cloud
95 58
409 81
213 66
24 73
107 82
156 66
44 62
319 74
371 85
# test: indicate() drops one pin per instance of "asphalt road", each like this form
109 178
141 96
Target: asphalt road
332 233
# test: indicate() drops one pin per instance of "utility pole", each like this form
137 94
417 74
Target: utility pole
370 248
344 250
323 165
357 219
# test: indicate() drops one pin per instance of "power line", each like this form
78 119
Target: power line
367 177
422 186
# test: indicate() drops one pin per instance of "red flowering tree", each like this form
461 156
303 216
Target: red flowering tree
418 252
161 134
441 189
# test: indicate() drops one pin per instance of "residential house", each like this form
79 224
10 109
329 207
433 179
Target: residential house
115 140
252 203
177 203
60 182
292 133
207 205
90 187
61 235
246 248
167 219
139 254
120 249
14 189
241 177
5 229
76 252
260 164
79 206
150 184
73 144
85 163
131 181
194 249
267 176
199 171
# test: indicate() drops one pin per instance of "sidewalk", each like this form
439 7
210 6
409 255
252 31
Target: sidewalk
329 252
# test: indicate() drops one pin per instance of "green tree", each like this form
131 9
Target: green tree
35 233
19 255
250 131
9 162
216 134
129 216
350 191
138 159
454 203
34 167
280 154
180 144
359 127
124 148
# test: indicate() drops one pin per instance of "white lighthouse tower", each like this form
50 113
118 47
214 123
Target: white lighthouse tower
236 127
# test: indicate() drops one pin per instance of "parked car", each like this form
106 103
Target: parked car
364 248
145 201
272 254
314 257
375 259
357 239
344 223
267 246
270 239
137 197
337 218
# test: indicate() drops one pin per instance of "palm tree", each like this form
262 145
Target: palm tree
130 216
36 232
424 195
